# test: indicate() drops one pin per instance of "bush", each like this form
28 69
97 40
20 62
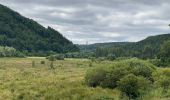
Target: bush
10 52
156 62
55 57
133 86
95 76
108 77
162 78
113 76
51 58
111 57
100 59
42 62
141 68
59 56
93 59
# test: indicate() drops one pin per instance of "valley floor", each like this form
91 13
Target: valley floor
29 79
19 79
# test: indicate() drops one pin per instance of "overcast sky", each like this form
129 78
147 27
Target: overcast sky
98 20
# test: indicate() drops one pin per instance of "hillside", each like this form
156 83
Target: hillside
147 48
27 35
92 47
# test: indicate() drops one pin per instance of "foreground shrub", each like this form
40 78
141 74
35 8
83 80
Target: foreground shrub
133 86
94 77
112 77
156 62
141 68
162 78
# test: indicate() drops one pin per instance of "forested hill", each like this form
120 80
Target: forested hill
92 47
147 48
27 35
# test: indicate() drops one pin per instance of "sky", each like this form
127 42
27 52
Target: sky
98 21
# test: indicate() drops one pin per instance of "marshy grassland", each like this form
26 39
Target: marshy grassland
21 80
33 78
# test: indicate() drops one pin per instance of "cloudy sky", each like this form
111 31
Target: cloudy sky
98 20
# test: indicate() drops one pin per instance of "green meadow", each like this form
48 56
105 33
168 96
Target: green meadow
21 80
30 79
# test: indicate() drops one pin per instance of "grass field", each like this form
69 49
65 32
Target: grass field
19 80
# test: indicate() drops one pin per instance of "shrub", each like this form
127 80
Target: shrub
162 78
92 59
42 62
111 57
51 58
6 51
59 56
113 76
133 86
156 62
100 59
95 76
141 68
108 77
56 57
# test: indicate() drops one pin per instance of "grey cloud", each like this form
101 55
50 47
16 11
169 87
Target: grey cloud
98 20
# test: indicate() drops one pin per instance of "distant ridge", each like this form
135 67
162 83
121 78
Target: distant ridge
148 47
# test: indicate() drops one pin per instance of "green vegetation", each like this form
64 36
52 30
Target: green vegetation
20 81
133 86
164 54
67 80
9 52
112 71
134 78
145 49
30 37
55 57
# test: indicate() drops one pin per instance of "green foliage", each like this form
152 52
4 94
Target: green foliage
147 48
95 76
9 52
164 54
56 57
109 77
162 78
51 58
22 81
133 86
59 56
156 62
79 55
114 75
111 57
25 34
